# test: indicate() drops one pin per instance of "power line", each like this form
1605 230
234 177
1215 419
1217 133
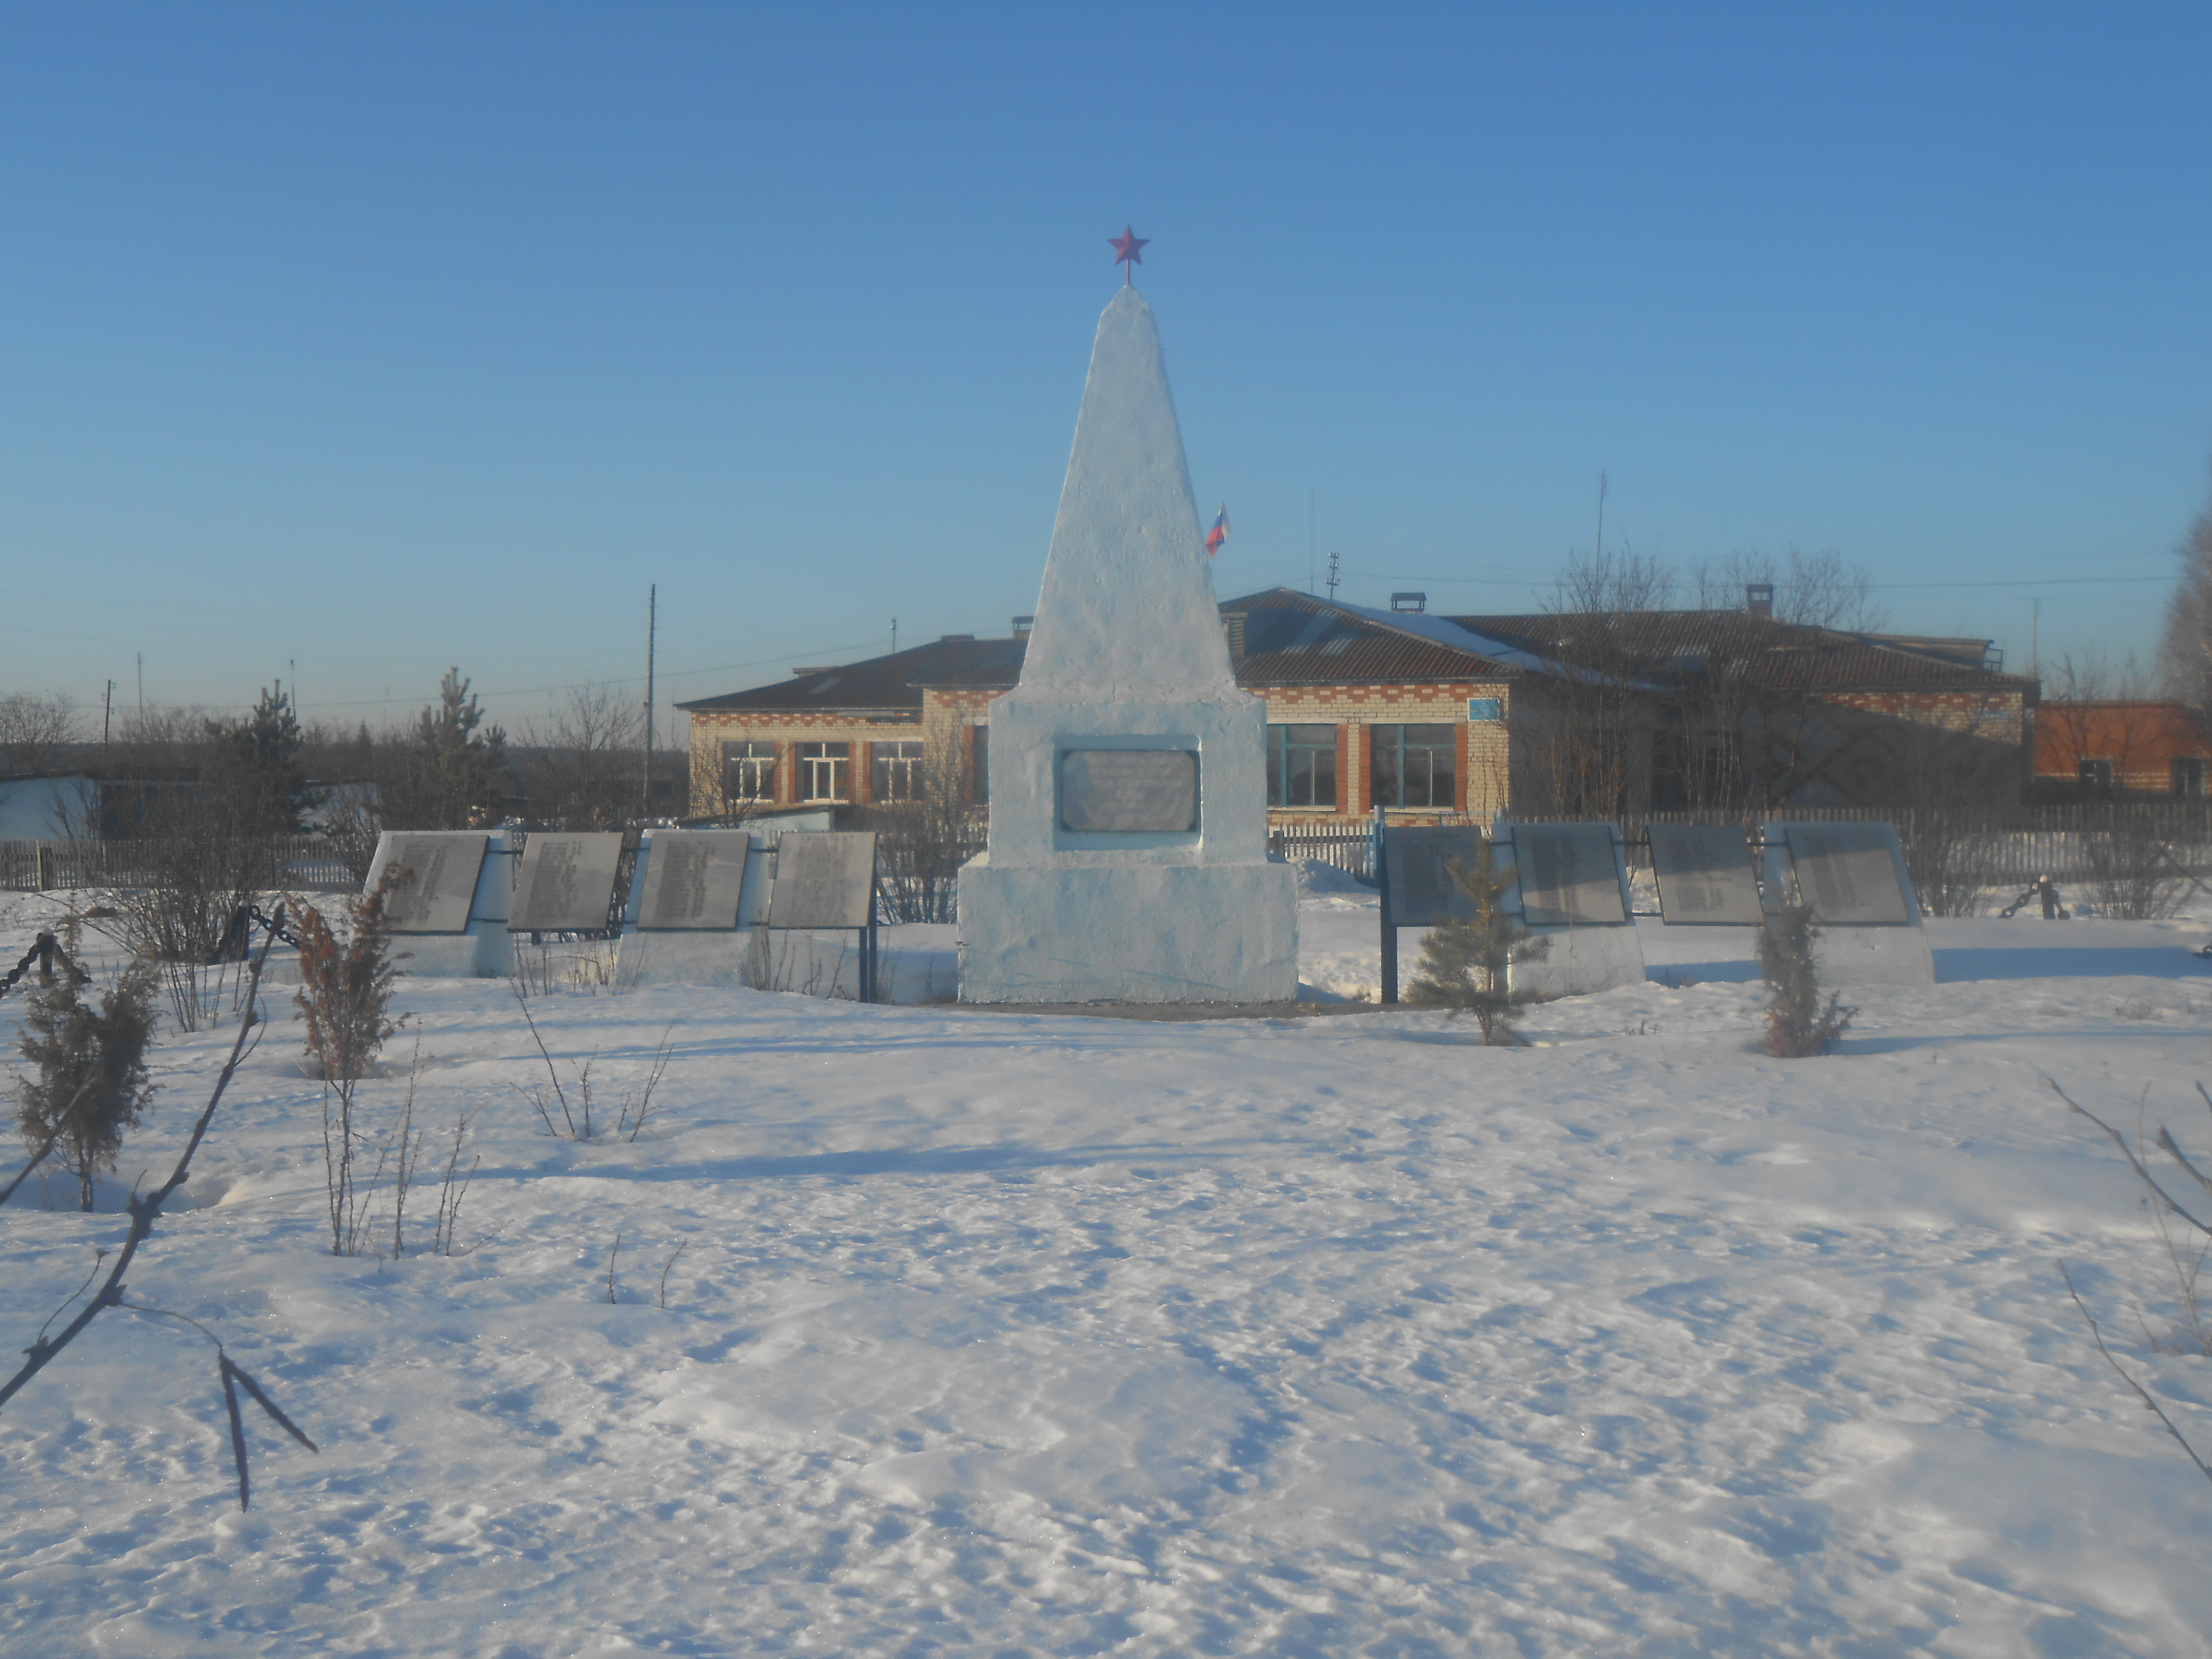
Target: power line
1885 587
570 685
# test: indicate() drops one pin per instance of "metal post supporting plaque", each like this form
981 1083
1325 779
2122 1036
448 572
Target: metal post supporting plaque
824 880
1389 922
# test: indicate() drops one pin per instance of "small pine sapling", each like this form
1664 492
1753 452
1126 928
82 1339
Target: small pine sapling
1797 1026
1467 966
90 1085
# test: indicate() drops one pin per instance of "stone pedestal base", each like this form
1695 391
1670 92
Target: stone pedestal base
1582 961
1872 956
1134 932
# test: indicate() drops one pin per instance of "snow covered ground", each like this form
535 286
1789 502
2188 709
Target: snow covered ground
1000 1334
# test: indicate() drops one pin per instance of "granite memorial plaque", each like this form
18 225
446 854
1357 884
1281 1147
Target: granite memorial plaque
440 884
1705 878
1128 791
694 879
1847 873
567 883
1422 892
823 879
1568 877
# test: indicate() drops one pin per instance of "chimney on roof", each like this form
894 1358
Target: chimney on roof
1759 599
1022 626
1409 602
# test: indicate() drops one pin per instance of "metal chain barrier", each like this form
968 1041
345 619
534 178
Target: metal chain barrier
43 947
236 937
2042 890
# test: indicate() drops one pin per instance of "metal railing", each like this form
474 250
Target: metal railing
305 864
2002 847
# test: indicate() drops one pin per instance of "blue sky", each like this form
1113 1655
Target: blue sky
379 339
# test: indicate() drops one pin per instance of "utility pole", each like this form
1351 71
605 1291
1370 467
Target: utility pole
652 623
894 637
1331 578
106 718
1598 552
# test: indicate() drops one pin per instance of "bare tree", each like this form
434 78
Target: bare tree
581 766
1818 590
924 842
36 730
1585 744
2184 657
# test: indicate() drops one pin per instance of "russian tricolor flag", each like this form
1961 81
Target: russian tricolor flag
1220 533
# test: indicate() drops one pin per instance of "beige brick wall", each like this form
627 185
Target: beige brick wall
1485 783
711 729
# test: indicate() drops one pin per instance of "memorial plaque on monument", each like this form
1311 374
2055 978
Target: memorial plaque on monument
823 879
693 880
1128 791
1847 873
1705 878
441 884
567 883
1568 875
1422 892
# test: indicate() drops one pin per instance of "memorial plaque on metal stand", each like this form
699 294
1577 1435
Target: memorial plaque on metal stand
567 883
823 879
1705 876
1570 875
1574 896
1849 873
827 878
440 884
1128 791
693 880
1422 891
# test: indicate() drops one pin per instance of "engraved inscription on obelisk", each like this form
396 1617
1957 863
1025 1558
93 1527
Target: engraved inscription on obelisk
1128 791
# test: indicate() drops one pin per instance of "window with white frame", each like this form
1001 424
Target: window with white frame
825 771
1416 765
894 771
1302 766
749 770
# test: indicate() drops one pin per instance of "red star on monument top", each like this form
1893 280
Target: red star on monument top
1126 252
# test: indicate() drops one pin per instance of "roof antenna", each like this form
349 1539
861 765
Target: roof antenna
1332 579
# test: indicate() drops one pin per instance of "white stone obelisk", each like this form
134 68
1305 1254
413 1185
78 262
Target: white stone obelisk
1127 860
